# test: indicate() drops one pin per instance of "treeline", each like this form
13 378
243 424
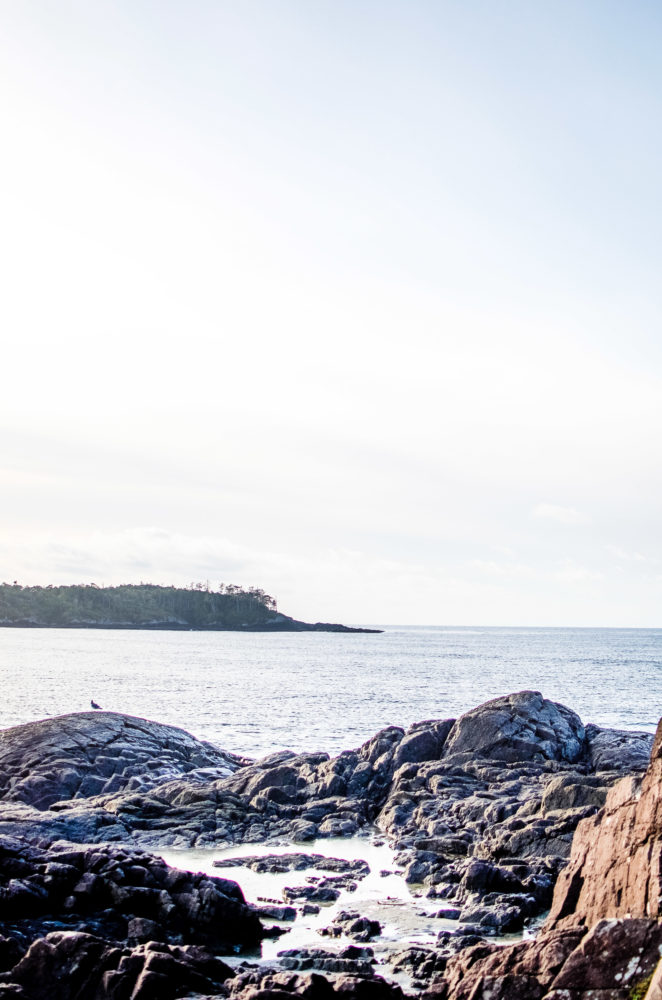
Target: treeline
136 605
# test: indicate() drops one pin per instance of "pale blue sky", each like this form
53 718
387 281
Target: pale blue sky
357 302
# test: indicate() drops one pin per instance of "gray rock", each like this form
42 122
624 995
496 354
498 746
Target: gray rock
296 862
353 925
66 965
522 726
120 893
572 792
351 960
84 754
423 741
502 787
618 750
497 813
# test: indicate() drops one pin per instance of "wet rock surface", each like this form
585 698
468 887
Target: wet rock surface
351 923
118 893
295 862
270 984
69 965
488 830
603 937
351 960
85 754
481 810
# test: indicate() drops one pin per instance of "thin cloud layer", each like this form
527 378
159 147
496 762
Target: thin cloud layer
564 515
338 300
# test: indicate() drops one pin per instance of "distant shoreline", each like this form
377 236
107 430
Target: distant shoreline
153 608
293 626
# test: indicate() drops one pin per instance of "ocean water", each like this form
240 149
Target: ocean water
255 692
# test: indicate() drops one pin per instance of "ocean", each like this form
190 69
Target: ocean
254 693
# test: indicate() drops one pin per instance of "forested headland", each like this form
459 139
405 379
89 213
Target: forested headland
150 606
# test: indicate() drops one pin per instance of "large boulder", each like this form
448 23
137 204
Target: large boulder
85 754
422 741
519 727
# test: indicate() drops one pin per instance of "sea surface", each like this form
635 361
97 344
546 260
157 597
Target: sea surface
254 693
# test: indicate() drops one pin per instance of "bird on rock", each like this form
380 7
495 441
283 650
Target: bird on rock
94 704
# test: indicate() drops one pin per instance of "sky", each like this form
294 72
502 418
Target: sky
355 302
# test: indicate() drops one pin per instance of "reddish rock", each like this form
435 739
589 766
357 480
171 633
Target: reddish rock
615 954
523 971
615 865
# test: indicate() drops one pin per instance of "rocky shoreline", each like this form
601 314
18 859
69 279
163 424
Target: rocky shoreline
480 811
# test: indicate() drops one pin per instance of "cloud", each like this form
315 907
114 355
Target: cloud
504 570
571 572
325 584
554 512
628 555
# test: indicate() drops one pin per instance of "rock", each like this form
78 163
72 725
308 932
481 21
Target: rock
422 963
351 961
286 913
353 925
285 795
119 893
522 726
482 811
654 991
618 749
275 863
422 741
81 755
615 954
442 783
570 792
261 984
141 929
310 893
523 971
10 952
614 869
76 966
603 937
514 779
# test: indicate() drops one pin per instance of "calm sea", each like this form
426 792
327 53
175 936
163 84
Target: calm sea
254 693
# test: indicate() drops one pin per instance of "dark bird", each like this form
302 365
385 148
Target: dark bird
94 704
